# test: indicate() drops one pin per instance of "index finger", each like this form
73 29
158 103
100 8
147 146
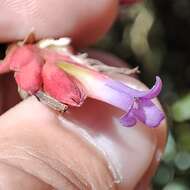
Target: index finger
84 21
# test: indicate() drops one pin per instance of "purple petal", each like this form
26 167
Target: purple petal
116 98
149 94
128 120
148 113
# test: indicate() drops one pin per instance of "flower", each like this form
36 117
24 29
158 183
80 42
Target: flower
137 104
66 77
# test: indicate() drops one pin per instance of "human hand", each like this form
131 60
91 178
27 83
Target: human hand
41 150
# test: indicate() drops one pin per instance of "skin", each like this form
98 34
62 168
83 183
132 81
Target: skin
88 20
48 151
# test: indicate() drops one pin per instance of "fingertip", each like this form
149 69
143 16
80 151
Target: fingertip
84 21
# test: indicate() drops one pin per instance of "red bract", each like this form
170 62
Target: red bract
27 65
33 73
61 86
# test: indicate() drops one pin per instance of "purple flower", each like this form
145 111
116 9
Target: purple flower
143 109
136 104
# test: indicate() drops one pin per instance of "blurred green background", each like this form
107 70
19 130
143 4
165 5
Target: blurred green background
154 35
